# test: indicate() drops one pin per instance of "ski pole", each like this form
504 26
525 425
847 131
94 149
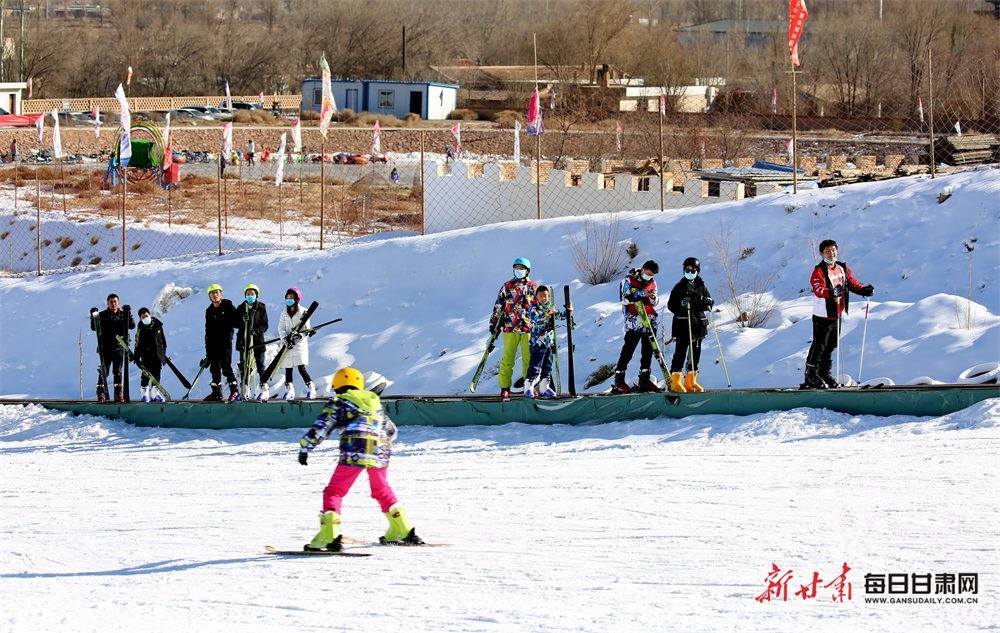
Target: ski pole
691 367
722 356
838 348
864 335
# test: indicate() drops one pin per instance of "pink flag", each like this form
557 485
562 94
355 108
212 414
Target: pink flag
534 116
261 98
797 14
618 136
774 100
376 140
456 131
96 113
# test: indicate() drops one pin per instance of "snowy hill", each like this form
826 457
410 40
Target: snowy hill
416 308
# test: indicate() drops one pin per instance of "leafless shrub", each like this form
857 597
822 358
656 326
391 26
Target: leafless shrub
463 114
746 294
599 255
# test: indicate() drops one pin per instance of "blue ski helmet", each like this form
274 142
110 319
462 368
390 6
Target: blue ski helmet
522 261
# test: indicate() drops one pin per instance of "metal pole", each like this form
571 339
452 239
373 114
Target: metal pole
864 335
322 189
38 222
930 111
423 190
538 175
795 123
661 157
722 356
62 182
219 200
169 206
124 197
225 204
280 214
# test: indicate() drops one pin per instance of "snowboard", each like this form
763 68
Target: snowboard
301 552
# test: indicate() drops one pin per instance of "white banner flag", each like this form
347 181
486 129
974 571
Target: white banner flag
227 141
40 126
376 140
279 174
125 142
56 138
517 141
297 135
96 113
229 98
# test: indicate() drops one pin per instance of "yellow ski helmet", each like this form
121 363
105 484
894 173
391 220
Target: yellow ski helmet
348 377
251 287
213 288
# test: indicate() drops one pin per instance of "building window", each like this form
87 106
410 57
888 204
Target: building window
318 98
642 183
574 180
385 98
607 182
714 188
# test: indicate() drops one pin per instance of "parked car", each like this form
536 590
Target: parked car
217 114
241 105
190 115
85 118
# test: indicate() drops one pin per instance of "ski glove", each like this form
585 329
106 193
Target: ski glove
686 302
838 291
304 457
639 293
867 291
709 302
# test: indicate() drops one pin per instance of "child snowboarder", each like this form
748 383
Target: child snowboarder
638 289
830 281
115 320
298 350
251 329
220 317
689 299
542 343
512 303
150 352
366 436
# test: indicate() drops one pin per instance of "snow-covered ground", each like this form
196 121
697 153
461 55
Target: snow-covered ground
650 525
661 525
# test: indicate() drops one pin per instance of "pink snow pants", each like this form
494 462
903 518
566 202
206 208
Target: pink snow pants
342 480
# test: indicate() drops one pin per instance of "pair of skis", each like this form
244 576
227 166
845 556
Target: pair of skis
102 372
647 325
495 333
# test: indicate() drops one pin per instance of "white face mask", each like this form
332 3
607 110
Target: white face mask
520 274
690 276
146 320
830 261
646 277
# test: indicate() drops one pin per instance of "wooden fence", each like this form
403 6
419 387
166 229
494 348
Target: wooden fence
110 104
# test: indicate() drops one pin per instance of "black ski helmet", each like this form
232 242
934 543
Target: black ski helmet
693 263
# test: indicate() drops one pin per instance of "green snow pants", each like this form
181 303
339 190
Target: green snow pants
511 342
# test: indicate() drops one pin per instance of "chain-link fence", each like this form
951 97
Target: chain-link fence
639 152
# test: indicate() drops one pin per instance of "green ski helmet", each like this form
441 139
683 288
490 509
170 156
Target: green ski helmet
253 287
213 287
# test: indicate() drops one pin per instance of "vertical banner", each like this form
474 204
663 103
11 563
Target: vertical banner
40 127
125 142
56 137
96 113
797 14
534 115
618 137
328 107
774 100
663 105
456 131
279 173
229 98
376 140
517 141
227 141
297 135
920 109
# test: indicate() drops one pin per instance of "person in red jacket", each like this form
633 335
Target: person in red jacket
831 281
638 291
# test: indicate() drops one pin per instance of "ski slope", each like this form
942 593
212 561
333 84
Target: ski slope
659 525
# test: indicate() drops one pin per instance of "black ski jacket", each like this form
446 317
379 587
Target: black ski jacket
700 300
256 315
113 323
219 328
150 342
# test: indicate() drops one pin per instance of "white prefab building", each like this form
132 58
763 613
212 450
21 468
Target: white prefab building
397 98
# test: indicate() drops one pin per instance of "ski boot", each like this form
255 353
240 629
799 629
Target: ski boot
691 382
102 394
549 392
826 376
400 531
677 382
620 385
529 389
145 394
234 392
328 538
289 392
118 394
646 384
310 391
264 393
216 395
155 395
505 393
812 379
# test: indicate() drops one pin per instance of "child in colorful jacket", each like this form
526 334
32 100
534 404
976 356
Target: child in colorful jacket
638 291
366 436
512 303
542 345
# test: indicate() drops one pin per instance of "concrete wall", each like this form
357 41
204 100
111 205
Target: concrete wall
454 198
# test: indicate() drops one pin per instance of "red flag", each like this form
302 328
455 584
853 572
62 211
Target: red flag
456 131
797 14
534 116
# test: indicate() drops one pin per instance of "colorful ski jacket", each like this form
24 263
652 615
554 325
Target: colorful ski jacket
512 303
540 317
366 432
825 282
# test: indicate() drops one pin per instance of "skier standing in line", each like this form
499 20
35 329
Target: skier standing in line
297 355
542 342
251 323
220 318
366 436
112 322
513 301
830 282
688 298
150 352
638 289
